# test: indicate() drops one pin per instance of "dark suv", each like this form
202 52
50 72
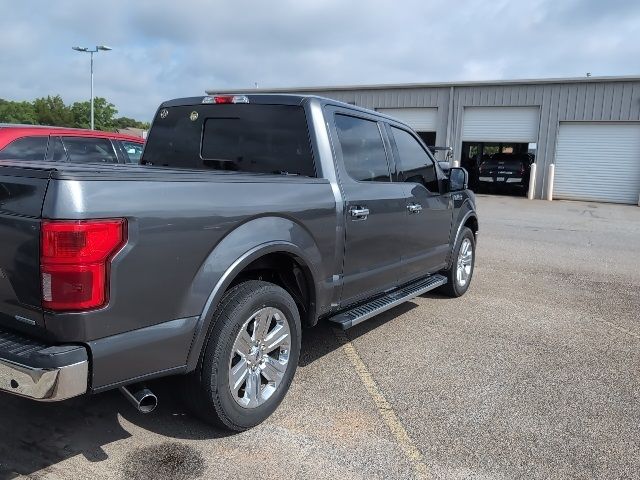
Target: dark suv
75 145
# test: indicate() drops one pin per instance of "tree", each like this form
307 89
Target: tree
104 114
125 122
17 112
53 111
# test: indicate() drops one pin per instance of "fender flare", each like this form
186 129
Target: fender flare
203 325
468 213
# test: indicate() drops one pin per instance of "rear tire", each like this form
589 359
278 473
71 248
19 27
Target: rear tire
460 273
242 376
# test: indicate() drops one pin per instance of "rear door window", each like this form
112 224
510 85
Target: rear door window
26 148
89 150
363 152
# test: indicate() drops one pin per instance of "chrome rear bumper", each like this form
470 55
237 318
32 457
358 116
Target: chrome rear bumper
40 371
44 384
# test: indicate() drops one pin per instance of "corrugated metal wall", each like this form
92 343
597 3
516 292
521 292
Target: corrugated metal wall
399 98
571 101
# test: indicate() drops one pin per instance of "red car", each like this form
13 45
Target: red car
57 144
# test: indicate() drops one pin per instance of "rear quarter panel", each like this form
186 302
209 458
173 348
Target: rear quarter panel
176 252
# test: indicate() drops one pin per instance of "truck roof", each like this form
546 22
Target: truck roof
11 131
274 99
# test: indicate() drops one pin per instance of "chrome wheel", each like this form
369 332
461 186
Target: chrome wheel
259 357
465 262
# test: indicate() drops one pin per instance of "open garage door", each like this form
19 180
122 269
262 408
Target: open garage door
598 162
501 124
420 119
498 147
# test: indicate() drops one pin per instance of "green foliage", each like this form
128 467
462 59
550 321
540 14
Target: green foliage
53 111
124 122
17 112
103 114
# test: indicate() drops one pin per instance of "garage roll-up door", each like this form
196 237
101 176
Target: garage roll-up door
598 162
420 119
501 124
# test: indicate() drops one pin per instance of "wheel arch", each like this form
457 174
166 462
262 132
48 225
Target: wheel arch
472 222
467 218
225 268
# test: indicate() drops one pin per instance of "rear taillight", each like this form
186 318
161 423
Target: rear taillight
74 262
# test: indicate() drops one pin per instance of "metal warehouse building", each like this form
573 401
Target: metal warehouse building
589 127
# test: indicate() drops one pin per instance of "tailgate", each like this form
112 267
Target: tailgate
22 193
500 166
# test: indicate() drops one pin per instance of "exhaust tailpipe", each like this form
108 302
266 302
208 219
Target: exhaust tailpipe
140 397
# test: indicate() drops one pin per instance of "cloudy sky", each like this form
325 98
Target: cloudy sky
168 48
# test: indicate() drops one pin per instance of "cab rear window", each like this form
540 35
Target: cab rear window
270 139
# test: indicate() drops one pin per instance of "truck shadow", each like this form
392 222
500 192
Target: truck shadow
34 436
321 339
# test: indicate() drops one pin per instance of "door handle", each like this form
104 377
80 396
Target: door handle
414 208
359 213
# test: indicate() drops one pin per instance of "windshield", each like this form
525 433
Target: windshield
234 137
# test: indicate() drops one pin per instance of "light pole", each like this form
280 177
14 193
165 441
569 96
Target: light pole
88 50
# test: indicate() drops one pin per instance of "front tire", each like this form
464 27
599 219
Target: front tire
460 273
249 359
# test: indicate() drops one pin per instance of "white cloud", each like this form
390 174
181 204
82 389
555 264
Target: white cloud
165 49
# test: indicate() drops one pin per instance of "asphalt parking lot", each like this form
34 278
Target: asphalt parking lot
533 374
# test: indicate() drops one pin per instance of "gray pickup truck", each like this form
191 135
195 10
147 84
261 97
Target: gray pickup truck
249 217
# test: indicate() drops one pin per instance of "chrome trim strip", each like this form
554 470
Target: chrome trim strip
400 300
26 320
431 284
47 385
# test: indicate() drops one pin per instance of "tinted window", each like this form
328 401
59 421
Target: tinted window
414 164
56 152
363 152
259 138
26 148
133 151
89 150
236 137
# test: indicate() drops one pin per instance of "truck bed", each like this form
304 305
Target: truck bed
176 218
93 171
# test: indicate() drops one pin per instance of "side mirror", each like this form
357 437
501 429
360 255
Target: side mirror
458 179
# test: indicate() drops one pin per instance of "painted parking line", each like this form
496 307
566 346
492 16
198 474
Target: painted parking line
383 407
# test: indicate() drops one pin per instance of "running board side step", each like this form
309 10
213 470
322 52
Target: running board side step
360 313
